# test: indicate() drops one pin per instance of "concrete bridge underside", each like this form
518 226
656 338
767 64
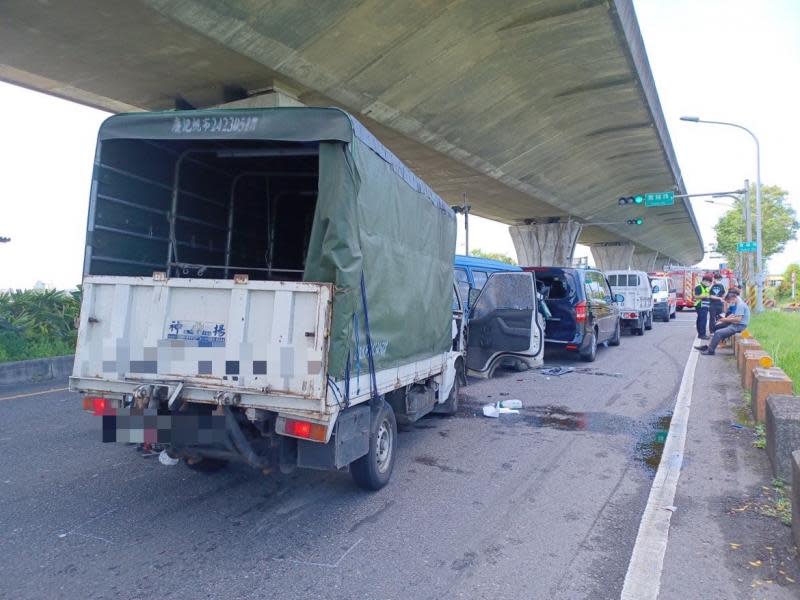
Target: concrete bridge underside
542 112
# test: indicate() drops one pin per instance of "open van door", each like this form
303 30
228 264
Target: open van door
503 327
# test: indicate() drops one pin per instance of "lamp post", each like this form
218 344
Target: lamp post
759 250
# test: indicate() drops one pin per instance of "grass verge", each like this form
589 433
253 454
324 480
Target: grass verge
777 332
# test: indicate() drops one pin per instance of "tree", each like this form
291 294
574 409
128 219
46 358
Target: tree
786 284
493 256
778 224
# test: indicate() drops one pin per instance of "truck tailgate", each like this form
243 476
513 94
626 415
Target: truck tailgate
261 337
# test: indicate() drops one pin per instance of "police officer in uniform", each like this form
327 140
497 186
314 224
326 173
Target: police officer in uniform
701 305
715 306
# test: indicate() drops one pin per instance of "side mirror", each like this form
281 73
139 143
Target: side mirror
473 296
619 298
656 289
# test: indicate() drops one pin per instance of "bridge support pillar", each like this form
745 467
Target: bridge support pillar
613 256
644 261
545 244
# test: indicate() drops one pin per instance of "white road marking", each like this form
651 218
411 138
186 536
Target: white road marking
643 579
74 530
50 391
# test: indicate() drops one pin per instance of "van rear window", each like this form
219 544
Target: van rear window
553 287
623 280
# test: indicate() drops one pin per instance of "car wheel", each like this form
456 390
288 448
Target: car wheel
614 341
679 308
373 470
639 331
590 353
648 321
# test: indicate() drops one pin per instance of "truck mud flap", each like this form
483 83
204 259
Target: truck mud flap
350 441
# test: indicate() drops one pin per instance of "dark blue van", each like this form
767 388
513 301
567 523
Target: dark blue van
584 310
473 271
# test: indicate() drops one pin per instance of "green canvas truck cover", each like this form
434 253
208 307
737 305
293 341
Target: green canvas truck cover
374 219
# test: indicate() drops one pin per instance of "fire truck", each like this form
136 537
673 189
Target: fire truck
685 279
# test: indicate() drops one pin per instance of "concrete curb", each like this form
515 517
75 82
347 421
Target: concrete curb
38 369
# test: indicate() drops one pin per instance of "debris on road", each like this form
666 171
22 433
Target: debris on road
556 371
166 460
501 408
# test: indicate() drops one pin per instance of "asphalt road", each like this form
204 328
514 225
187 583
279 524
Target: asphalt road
541 505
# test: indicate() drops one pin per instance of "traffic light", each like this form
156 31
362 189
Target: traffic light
635 200
639 221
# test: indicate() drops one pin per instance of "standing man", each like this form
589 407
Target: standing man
734 323
701 295
715 307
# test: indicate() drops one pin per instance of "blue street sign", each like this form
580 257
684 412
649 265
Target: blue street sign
746 247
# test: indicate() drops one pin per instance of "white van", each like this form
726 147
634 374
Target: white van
665 298
636 309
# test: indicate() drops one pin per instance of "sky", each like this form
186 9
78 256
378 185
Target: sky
722 60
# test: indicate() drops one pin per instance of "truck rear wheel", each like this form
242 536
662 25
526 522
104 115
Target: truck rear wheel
373 470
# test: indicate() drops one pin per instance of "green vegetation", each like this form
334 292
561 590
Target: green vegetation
37 323
493 255
777 333
785 290
779 506
761 436
779 224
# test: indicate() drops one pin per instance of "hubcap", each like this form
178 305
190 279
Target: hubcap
383 445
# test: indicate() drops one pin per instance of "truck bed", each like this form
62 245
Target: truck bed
264 340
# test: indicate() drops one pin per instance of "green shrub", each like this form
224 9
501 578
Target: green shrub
37 323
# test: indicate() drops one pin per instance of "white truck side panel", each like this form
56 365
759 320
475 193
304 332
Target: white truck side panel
259 337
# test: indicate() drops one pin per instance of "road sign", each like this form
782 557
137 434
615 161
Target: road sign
746 247
659 199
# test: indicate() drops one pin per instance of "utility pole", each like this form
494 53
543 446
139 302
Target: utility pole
466 224
464 210
748 230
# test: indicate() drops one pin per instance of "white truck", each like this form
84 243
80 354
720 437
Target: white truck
636 308
274 286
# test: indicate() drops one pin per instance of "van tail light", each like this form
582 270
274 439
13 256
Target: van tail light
97 406
580 311
302 429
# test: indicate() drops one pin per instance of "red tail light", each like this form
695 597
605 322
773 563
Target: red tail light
97 406
304 429
580 311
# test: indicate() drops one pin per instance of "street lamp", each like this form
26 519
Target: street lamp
759 251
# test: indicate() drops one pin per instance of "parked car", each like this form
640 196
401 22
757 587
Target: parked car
474 272
665 298
584 311
636 312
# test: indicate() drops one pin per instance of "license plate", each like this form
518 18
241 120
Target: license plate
136 426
